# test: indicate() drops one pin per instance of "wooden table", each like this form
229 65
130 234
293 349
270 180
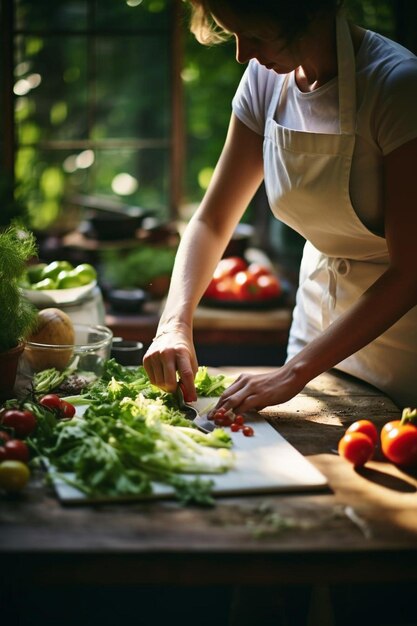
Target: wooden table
363 529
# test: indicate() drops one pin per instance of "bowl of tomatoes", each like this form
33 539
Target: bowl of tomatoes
239 284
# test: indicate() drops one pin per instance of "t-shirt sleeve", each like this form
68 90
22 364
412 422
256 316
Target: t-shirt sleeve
253 95
396 120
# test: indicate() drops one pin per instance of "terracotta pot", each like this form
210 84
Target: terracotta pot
8 370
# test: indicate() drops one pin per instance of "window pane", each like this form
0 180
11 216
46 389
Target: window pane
132 14
92 96
132 87
51 15
51 89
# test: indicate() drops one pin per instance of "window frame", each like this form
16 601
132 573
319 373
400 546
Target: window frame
174 141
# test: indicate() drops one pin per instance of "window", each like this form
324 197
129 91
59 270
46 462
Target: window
90 102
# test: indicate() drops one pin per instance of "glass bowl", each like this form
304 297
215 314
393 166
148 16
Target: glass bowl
92 345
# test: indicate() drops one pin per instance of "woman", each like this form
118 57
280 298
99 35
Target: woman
325 115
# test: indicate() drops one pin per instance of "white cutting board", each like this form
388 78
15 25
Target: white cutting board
264 463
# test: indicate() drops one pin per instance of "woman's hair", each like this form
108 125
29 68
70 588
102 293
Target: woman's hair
291 17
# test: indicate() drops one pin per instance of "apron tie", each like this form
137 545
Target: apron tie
332 267
335 267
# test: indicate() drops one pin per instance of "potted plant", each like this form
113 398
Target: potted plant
17 315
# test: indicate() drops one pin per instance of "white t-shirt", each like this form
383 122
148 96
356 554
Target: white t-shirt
386 96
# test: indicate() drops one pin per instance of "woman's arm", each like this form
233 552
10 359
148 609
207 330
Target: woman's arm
237 176
384 303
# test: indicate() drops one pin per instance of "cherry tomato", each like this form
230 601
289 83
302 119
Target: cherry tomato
399 444
366 427
245 286
23 422
4 436
221 419
239 419
13 475
235 427
229 266
388 427
16 450
269 286
51 401
357 448
67 409
248 431
224 289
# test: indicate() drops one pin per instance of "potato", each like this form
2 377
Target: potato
54 328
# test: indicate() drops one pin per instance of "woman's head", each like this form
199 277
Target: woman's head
288 19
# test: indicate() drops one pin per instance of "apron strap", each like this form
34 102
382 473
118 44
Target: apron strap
346 77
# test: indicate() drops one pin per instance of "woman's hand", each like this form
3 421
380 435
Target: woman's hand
256 391
172 351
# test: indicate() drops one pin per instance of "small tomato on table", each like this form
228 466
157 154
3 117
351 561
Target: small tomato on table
356 447
366 427
399 444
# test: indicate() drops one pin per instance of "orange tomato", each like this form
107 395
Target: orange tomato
366 427
357 448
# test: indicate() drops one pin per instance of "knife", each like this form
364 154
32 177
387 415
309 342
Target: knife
192 414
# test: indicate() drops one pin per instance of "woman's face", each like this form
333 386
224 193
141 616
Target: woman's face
259 41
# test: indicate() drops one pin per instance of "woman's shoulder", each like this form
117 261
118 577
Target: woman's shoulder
387 92
254 94
380 58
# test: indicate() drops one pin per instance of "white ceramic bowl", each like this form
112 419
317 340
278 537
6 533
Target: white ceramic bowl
53 297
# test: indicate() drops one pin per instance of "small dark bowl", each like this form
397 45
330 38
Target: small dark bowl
126 300
127 352
240 241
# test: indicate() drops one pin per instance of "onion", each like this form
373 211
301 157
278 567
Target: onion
54 328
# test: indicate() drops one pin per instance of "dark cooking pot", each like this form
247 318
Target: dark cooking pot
107 219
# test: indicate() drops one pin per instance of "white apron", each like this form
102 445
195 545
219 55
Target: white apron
307 181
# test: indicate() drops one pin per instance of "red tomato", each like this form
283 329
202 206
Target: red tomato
269 286
239 419
256 269
23 422
229 266
211 290
388 427
4 436
357 448
248 431
16 450
51 401
224 289
399 443
366 427
67 409
245 286
235 427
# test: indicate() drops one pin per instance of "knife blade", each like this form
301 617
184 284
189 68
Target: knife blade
192 414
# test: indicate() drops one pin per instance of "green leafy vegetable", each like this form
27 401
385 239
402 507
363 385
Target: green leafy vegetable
49 379
132 434
211 385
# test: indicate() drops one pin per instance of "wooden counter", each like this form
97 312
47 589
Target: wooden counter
362 529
